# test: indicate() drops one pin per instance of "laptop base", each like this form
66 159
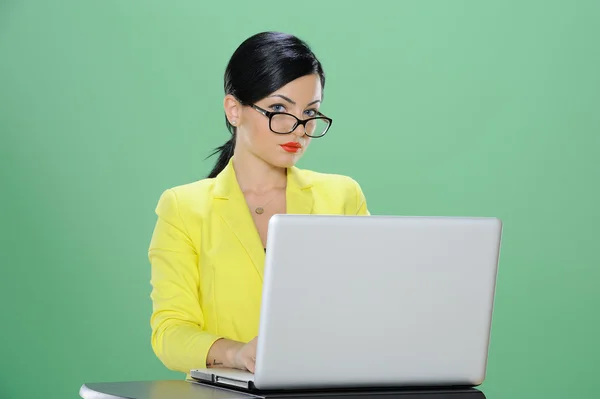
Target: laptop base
441 392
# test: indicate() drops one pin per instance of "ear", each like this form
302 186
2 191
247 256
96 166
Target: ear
233 109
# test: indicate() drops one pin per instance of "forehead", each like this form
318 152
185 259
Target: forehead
304 89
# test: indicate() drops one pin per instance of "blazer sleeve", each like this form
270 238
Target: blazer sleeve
355 201
177 321
361 202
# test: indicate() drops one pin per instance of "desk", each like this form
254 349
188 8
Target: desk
182 389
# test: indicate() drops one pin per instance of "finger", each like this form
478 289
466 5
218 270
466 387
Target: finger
251 365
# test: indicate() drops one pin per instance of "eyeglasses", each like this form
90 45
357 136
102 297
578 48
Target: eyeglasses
284 123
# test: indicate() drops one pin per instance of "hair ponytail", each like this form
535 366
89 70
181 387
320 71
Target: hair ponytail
225 153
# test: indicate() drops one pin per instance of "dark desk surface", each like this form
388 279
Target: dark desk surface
181 389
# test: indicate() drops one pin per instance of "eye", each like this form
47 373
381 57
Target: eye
310 112
278 108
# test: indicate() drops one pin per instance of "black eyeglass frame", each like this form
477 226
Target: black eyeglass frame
303 122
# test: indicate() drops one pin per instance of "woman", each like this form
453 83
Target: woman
207 250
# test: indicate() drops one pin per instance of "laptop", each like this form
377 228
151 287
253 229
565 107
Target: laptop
373 301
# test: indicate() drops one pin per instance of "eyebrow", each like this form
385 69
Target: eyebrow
292 101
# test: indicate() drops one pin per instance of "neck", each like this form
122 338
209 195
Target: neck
256 176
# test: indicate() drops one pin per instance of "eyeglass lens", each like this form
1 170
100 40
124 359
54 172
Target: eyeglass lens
282 123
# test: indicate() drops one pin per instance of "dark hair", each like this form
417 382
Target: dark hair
262 64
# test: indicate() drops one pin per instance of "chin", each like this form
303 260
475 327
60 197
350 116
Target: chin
286 160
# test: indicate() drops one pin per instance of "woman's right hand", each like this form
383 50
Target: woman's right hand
244 357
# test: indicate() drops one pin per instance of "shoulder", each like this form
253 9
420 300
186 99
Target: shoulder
187 195
195 190
336 188
330 181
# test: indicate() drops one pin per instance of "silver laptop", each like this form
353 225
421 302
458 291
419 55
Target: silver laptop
373 301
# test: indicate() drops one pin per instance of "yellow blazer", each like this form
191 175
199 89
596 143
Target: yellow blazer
207 259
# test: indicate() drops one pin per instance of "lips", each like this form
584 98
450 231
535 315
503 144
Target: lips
292 146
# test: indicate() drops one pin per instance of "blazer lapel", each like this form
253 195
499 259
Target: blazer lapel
229 202
299 198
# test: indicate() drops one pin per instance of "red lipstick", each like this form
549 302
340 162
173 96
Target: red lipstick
292 146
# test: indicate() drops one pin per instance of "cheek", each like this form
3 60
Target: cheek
264 136
260 135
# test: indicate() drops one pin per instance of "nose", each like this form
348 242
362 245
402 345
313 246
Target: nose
300 130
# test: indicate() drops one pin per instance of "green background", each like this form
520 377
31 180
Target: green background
440 108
